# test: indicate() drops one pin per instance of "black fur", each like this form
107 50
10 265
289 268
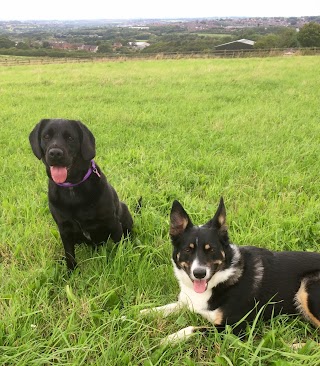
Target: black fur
91 211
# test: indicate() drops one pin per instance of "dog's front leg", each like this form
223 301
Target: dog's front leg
116 232
70 258
165 310
69 251
213 316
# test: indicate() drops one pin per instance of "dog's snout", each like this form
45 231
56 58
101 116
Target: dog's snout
55 153
199 273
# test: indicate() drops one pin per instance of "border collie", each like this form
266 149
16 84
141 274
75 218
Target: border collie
225 283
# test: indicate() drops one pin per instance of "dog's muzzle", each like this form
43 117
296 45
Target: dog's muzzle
55 155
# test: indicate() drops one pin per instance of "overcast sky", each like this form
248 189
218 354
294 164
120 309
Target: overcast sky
124 9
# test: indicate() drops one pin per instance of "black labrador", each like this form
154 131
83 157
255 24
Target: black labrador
84 205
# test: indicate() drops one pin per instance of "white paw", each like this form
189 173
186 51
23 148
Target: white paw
146 311
181 335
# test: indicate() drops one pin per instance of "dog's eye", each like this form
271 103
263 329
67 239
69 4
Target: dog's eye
187 250
46 136
70 138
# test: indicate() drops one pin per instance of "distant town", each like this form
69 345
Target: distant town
83 37
229 24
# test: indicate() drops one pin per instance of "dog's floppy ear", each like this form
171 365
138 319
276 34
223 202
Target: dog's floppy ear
88 143
219 219
179 219
34 138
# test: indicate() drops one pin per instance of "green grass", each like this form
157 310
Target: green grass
193 130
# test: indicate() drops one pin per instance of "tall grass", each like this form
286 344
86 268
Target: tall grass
193 130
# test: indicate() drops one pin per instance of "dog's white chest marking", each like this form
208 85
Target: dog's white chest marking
198 303
194 301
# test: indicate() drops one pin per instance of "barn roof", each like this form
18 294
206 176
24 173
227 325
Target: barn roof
243 40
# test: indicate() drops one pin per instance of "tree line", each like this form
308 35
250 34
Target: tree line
160 39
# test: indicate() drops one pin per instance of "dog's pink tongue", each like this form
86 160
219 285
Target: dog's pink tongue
199 286
58 174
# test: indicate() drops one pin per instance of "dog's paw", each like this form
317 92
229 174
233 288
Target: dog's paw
146 311
181 335
297 346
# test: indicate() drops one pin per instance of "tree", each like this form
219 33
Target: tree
105 48
6 43
22 46
309 35
46 44
287 38
268 41
284 38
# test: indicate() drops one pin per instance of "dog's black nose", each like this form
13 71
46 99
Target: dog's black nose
199 273
55 153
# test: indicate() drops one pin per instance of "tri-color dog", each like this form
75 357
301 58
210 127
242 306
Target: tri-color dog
224 282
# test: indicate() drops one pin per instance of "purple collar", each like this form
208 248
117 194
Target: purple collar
92 169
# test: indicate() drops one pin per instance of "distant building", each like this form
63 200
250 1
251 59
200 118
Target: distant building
89 48
138 27
240 44
116 45
139 45
63 46
73 46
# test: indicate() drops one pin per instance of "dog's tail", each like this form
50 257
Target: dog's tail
137 210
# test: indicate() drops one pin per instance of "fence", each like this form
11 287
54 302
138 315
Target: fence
13 61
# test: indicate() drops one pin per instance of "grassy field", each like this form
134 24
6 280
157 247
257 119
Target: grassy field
192 130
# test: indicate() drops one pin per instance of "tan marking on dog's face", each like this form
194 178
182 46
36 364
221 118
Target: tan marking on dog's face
178 257
207 247
223 254
191 245
217 261
302 304
184 265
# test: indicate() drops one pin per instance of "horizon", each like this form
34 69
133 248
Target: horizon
151 18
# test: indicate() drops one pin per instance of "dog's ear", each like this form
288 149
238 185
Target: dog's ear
219 222
88 143
219 219
179 219
35 137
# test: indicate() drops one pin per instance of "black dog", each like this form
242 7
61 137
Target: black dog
84 205
225 283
